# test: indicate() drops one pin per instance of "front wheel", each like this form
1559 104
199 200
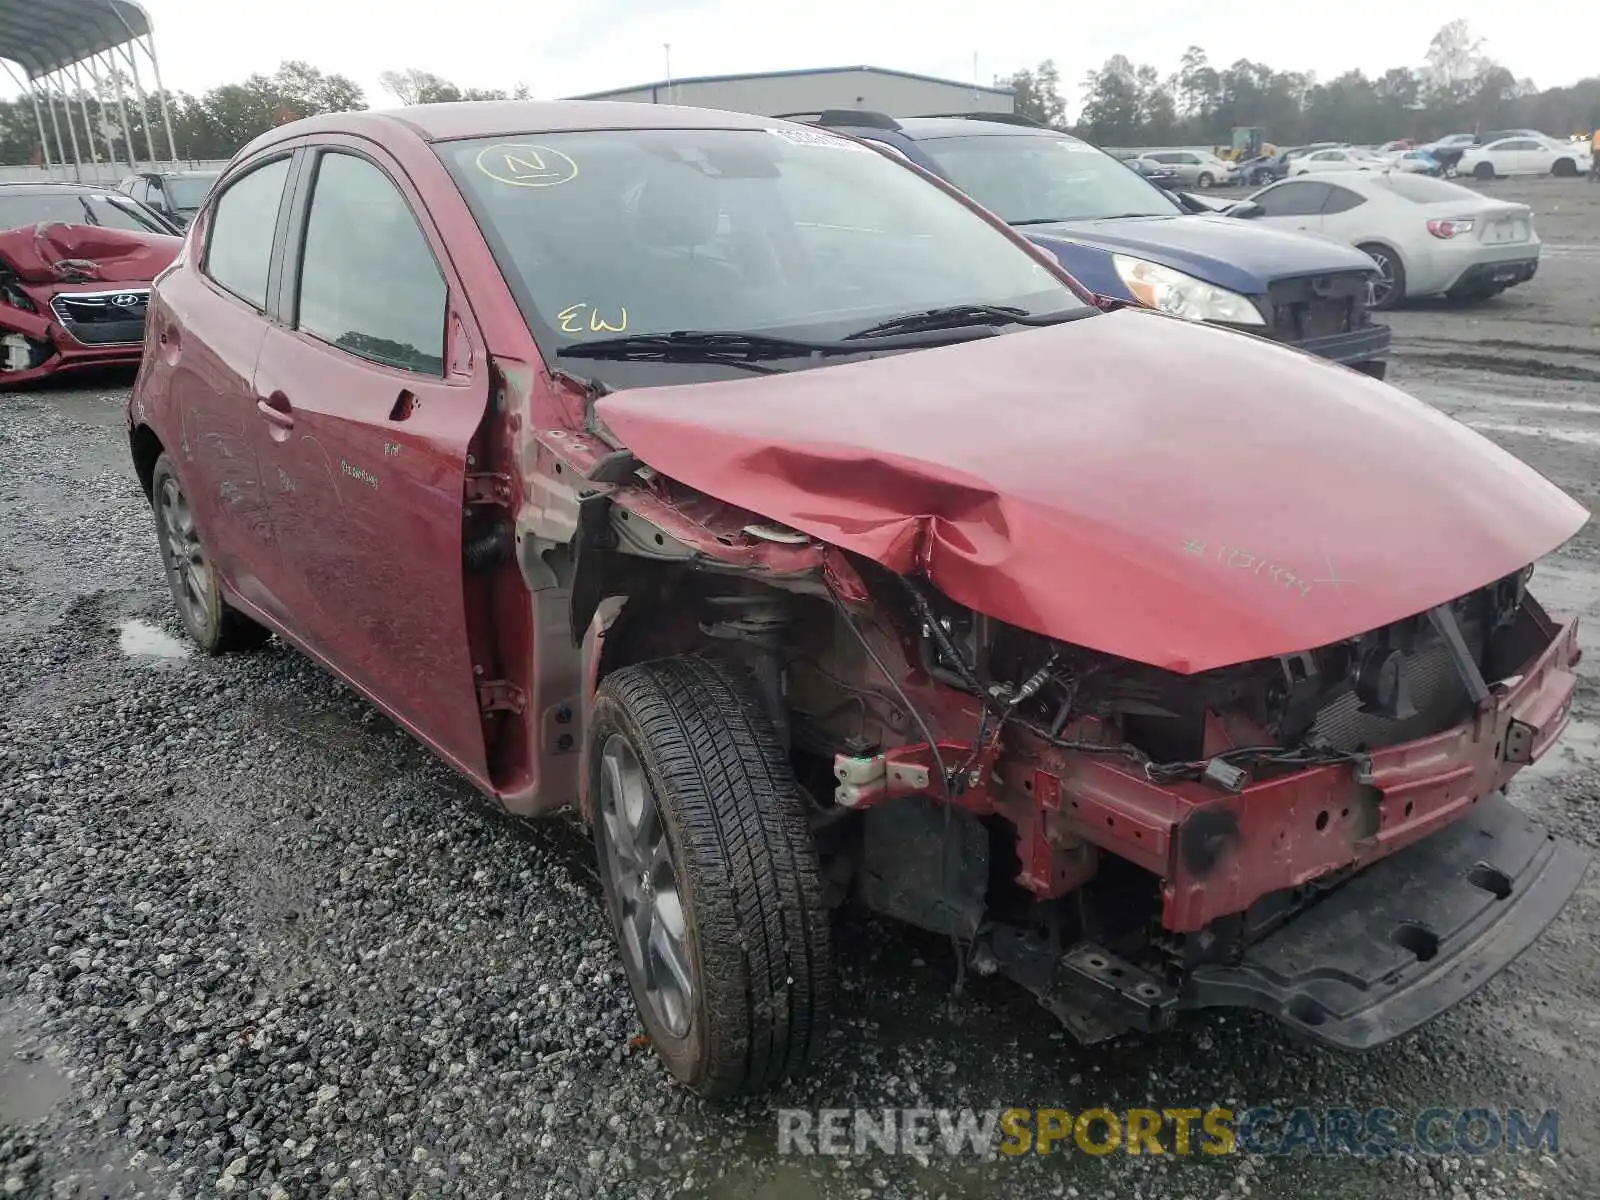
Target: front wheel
1207 179
1390 286
1483 171
1564 168
710 874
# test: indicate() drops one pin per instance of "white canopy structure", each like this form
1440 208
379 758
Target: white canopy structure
49 47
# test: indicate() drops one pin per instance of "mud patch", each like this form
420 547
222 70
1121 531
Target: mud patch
1584 437
1540 368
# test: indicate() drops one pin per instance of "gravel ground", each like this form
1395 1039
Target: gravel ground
255 942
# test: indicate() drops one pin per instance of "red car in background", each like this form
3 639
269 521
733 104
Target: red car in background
811 533
76 263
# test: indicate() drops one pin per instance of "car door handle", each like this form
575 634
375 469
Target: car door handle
276 410
404 405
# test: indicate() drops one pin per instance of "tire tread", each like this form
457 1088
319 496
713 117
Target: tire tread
761 922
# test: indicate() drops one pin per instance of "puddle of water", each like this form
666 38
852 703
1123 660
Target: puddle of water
140 639
30 1085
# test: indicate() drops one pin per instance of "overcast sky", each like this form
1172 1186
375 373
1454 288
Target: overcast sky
570 46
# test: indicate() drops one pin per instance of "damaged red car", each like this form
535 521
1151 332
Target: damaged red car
76 263
815 538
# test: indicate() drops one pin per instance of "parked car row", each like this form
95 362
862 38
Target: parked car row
1129 242
1497 154
817 537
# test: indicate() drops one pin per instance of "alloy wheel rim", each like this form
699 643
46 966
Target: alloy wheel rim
186 558
1384 284
644 882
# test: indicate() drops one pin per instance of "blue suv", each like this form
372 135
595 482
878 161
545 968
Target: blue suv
1122 237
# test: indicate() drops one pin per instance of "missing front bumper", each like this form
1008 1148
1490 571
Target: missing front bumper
1408 937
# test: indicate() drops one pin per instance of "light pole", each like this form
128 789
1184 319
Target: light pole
666 48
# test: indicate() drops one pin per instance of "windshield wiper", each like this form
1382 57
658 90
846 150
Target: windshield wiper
690 345
956 316
744 349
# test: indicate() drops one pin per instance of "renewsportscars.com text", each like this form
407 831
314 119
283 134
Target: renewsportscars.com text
1182 1132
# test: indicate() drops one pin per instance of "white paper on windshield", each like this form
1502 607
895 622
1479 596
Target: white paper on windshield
815 137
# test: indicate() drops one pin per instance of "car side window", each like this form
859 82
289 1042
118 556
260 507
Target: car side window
369 282
1189 160
243 226
1521 144
1297 199
1342 199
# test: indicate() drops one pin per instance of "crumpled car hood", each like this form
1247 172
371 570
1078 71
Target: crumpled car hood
1110 482
56 252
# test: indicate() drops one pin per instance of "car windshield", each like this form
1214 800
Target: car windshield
73 208
187 191
1038 178
778 231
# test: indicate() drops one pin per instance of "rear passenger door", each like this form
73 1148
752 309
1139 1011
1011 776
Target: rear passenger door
373 383
205 332
1510 157
1532 158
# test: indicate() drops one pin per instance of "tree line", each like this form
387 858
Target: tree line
1457 87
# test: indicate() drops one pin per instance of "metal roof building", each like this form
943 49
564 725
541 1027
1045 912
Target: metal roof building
49 47
897 93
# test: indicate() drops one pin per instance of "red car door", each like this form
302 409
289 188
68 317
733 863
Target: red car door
369 389
202 383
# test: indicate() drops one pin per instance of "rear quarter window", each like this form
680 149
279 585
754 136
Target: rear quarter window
1423 189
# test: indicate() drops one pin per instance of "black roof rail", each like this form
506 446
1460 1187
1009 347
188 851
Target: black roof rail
1001 117
859 117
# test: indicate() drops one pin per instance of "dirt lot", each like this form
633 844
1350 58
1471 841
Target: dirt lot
253 941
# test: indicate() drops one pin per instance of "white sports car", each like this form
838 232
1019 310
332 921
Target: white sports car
1429 237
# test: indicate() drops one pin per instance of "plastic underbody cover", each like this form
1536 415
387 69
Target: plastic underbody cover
1179 495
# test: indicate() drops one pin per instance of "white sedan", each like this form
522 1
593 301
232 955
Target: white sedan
1344 158
1524 156
1427 236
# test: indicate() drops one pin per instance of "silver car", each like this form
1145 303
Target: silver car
1195 168
1428 237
